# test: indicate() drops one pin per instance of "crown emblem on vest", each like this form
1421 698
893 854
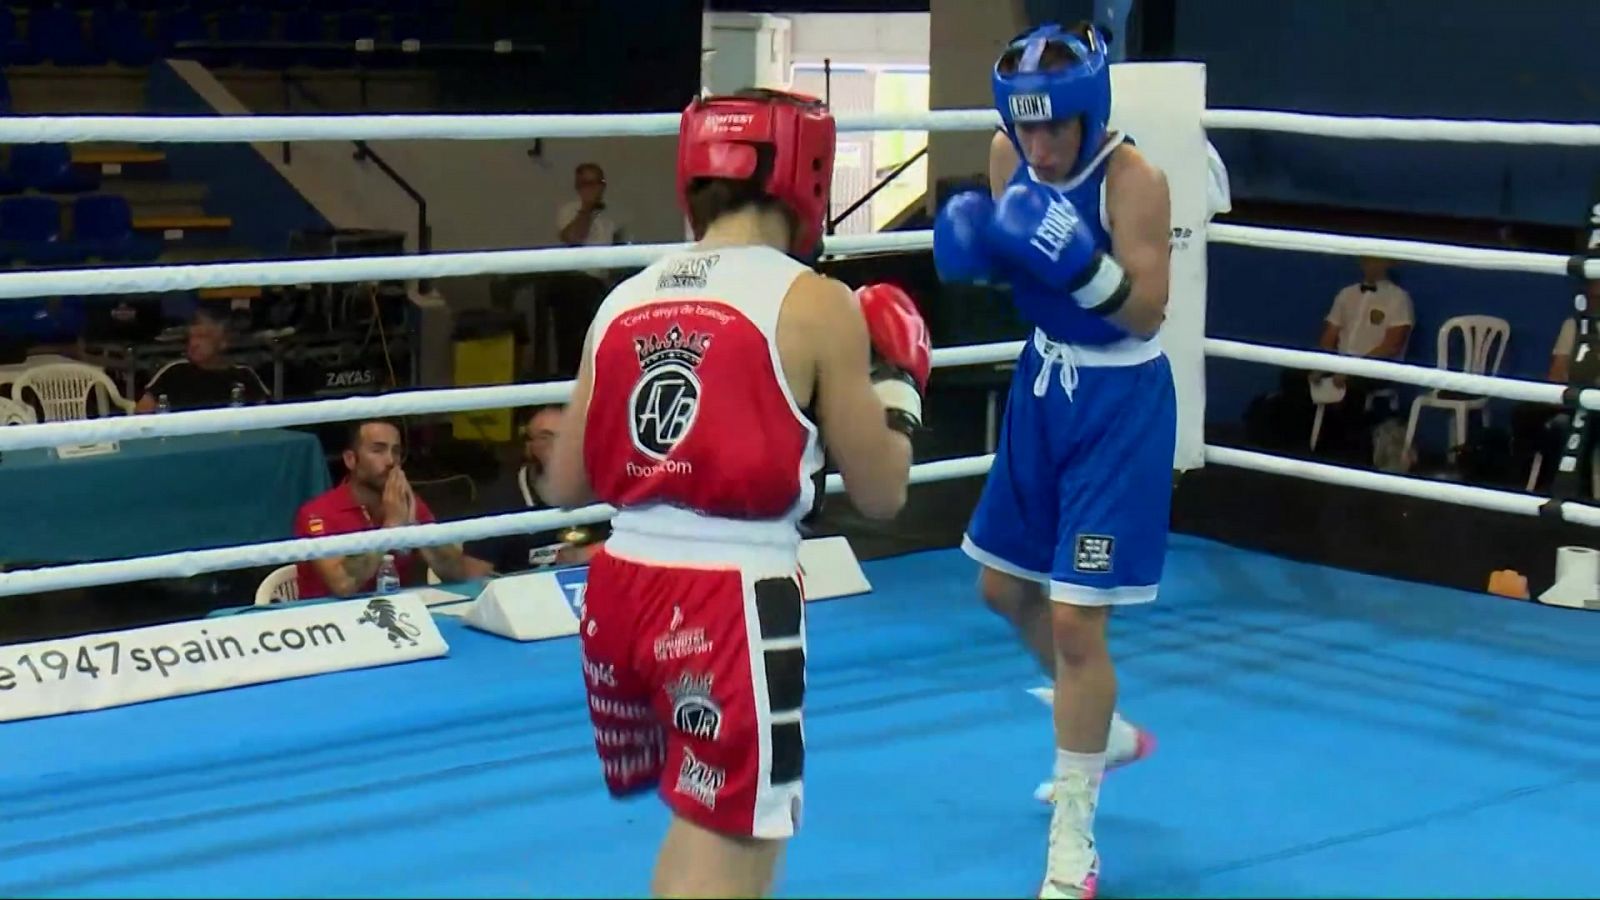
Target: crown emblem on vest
674 346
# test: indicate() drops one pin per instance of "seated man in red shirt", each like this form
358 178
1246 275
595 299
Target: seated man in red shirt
376 494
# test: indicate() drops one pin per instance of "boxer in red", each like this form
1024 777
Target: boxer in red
707 385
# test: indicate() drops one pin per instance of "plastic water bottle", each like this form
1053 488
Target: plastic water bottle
388 575
236 398
163 405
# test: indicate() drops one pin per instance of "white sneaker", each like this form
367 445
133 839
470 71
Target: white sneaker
1125 743
1072 868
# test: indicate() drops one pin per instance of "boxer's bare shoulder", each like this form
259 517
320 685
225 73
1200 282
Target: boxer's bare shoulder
827 353
1003 162
815 307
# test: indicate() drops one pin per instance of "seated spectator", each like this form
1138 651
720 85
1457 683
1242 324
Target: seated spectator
518 491
204 378
375 494
1371 318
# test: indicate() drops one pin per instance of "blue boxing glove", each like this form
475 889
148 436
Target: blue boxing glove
960 237
1038 229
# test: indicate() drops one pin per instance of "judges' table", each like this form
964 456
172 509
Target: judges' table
156 495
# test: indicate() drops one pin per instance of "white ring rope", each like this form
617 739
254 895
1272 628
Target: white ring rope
337 127
248 129
1378 128
445 400
188 563
281 415
157 279
1442 379
1421 488
1392 248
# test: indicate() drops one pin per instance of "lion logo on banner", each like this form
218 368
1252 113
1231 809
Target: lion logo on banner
381 612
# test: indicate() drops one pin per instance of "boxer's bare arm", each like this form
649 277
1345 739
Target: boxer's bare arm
565 480
823 342
1139 206
1003 162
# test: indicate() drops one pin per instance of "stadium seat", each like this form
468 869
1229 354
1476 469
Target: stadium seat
120 35
48 167
246 24
305 26
13 50
30 231
420 28
102 227
180 24
56 35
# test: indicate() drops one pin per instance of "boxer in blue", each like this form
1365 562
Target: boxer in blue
1073 518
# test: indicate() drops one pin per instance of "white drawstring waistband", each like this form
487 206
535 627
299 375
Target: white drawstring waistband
1070 357
1054 353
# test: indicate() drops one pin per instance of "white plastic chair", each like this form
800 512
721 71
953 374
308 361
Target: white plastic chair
14 413
282 586
1329 395
1483 340
63 389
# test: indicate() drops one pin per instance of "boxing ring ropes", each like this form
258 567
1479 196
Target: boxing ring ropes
134 129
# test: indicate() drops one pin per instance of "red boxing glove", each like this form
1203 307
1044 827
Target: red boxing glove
902 350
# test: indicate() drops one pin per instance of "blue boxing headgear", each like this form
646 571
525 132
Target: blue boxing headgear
1081 88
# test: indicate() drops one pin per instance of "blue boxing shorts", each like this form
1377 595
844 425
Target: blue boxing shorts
1080 494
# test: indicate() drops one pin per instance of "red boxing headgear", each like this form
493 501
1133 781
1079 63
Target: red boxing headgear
718 138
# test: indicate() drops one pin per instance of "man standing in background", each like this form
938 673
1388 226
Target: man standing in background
574 296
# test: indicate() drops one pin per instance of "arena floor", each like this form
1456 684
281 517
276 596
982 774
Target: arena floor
1321 733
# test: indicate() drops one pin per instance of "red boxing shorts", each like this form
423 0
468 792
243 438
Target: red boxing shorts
696 678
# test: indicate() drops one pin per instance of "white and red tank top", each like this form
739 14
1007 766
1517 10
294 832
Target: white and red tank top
692 433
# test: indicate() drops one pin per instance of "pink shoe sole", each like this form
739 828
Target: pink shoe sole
1143 746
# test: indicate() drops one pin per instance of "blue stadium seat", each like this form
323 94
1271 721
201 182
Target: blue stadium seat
310 26
14 51
48 167
246 24
305 26
102 227
30 230
44 320
183 23
421 28
120 35
353 26
56 35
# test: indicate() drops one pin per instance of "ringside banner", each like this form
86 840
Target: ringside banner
49 678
